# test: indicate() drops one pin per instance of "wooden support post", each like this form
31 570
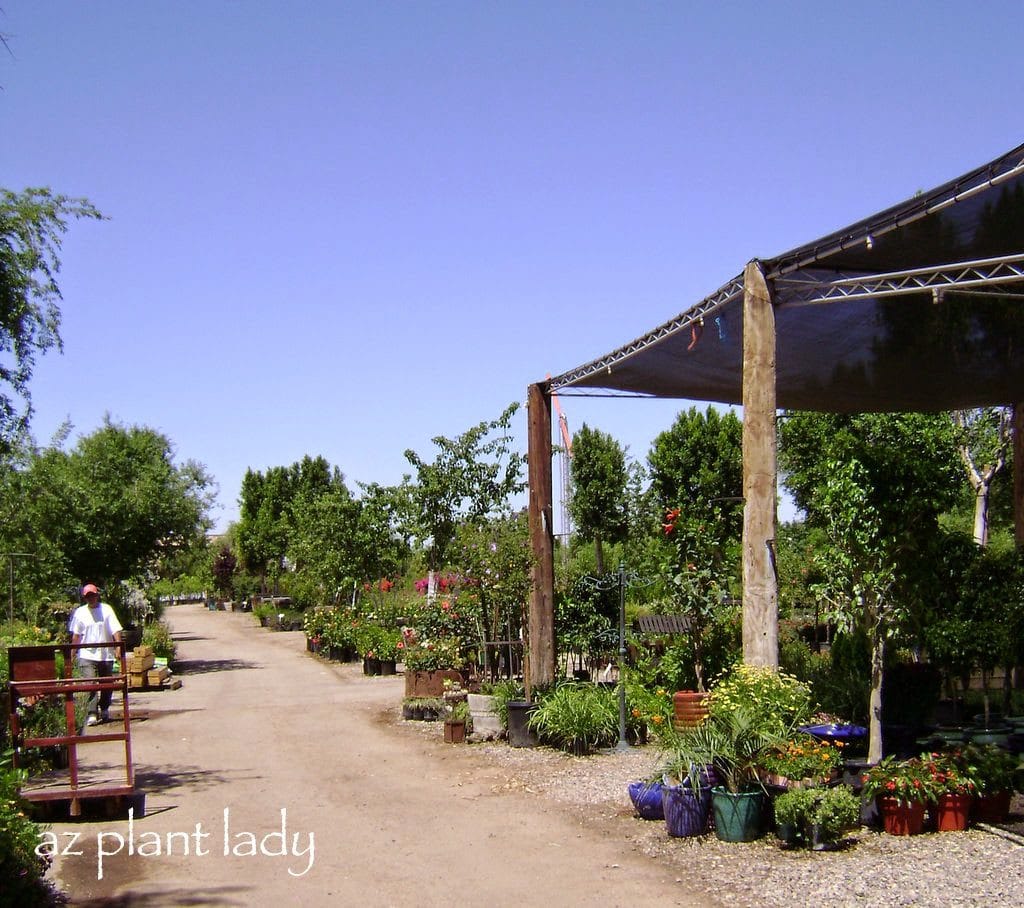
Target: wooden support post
540 667
760 584
1018 475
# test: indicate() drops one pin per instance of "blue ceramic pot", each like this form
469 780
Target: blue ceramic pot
686 810
646 798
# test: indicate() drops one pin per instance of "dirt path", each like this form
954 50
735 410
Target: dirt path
263 739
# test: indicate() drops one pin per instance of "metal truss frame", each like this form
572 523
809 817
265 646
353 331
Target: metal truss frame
808 287
695 315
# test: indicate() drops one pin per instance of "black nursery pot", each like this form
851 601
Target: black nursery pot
519 733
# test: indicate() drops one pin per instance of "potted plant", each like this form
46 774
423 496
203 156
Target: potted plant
954 787
994 772
818 817
387 648
902 789
456 720
732 742
801 761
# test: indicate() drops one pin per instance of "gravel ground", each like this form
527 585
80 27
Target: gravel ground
970 868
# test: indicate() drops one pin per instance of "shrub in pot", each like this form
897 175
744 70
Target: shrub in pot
817 817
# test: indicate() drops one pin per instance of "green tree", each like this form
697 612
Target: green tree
472 477
114 508
32 224
598 499
494 556
264 522
876 484
119 501
858 575
225 563
699 460
324 547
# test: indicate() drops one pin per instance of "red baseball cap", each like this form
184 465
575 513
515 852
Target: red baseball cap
90 588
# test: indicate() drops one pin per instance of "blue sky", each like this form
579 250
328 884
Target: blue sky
343 228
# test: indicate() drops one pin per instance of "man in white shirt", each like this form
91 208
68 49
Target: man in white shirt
95 623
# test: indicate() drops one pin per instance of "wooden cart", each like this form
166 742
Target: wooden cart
37 672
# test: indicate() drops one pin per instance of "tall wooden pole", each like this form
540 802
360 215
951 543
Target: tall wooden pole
1018 475
760 585
540 667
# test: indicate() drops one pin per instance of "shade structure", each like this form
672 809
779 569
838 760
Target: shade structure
917 308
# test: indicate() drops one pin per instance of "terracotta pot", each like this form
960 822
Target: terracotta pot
690 708
900 817
454 732
952 812
991 808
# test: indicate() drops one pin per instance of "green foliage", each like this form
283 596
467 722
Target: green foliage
993 768
834 811
587 618
648 708
376 642
576 718
911 469
495 560
32 225
909 781
699 459
224 566
696 565
114 504
503 692
838 678
472 476
732 740
802 756
22 870
447 627
158 635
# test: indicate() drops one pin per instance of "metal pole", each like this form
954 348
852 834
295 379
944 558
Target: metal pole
623 744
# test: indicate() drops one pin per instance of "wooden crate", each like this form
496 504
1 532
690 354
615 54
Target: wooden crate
157 676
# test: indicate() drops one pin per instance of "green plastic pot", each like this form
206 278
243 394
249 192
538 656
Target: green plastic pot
739 817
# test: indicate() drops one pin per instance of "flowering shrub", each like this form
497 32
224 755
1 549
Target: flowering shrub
427 655
803 757
775 700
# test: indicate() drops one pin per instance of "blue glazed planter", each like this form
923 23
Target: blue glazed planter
686 810
646 798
